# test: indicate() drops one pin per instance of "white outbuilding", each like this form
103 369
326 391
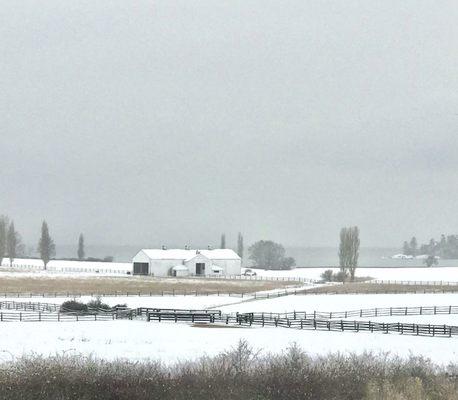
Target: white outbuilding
179 262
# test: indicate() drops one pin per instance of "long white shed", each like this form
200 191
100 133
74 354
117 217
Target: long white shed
179 262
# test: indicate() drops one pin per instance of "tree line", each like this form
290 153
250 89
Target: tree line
10 240
12 247
446 247
267 254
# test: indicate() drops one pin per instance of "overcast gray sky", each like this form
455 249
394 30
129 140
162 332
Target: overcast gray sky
148 122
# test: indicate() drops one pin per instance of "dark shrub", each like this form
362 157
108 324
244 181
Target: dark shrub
341 276
73 305
327 275
97 303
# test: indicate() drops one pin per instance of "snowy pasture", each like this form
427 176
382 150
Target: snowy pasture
140 340
87 268
174 302
343 302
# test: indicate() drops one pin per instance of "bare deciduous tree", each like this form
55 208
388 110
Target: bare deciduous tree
349 250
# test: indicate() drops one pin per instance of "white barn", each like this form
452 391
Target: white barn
178 262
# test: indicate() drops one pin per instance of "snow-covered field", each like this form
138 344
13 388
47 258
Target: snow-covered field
86 268
139 340
344 302
183 302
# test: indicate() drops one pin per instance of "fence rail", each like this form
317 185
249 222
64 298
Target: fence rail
332 321
258 278
354 326
255 295
146 310
362 313
124 294
54 317
413 283
29 306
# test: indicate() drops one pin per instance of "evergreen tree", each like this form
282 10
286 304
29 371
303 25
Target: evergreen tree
413 246
349 250
240 245
13 242
431 260
406 249
223 241
3 236
81 252
46 247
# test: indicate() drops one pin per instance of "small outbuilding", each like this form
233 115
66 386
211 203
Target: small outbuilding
179 262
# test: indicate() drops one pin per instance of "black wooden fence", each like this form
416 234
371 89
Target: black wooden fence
413 283
298 320
363 313
256 295
29 306
352 326
319 320
54 317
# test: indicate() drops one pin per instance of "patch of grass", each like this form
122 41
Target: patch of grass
146 285
240 373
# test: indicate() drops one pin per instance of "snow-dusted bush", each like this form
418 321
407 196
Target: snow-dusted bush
73 305
98 304
327 275
239 373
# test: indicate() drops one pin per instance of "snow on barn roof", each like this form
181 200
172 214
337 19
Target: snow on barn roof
180 254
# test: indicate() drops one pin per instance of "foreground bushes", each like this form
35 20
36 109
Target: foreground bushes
237 374
76 306
73 305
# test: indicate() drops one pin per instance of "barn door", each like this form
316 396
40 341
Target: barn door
140 268
200 268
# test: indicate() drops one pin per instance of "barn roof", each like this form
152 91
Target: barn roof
180 254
